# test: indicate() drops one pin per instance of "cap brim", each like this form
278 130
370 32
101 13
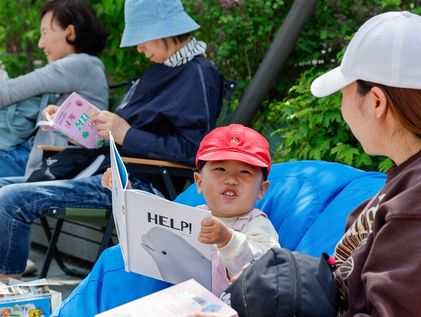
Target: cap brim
138 33
330 82
236 156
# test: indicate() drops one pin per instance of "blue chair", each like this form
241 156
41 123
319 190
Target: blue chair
308 203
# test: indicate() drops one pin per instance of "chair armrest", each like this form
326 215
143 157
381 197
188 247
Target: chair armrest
51 148
141 161
94 216
128 160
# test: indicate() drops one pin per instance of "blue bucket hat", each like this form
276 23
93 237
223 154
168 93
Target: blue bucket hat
147 20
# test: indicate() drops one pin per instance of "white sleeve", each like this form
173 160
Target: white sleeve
252 242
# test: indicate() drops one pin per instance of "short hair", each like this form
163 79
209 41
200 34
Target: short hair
90 33
404 103
177 38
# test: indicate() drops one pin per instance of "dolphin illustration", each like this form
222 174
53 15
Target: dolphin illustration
176 259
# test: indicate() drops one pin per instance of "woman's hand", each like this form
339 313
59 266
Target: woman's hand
214 231
110 122
49 112
48 115
237 275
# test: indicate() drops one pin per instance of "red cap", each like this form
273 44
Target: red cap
235 142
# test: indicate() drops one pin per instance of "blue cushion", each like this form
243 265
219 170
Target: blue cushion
308 203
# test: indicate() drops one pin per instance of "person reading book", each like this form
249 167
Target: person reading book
71 37
164 116
233 163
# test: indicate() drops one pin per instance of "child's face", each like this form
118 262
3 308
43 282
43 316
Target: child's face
231 188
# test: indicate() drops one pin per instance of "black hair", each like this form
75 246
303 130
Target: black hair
90 33
200 165
177 39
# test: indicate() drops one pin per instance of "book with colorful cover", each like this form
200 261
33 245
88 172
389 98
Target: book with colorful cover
27 299
158 237
178 300
73 119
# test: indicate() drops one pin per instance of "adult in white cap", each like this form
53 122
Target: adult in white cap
164 116
378 259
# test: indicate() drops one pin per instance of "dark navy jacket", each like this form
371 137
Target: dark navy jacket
171 110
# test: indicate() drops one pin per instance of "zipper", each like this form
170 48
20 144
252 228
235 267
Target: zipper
295 285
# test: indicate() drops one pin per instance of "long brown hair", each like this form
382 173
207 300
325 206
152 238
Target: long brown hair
404 102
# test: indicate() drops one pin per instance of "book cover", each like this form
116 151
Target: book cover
36 306
158 237
74 120
178 300
27 299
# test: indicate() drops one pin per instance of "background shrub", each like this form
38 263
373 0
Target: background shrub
238 34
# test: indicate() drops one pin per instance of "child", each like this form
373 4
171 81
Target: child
233 163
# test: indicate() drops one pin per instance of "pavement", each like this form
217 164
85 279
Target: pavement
57 279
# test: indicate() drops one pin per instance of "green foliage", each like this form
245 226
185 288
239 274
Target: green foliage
19 35
238 34
312 128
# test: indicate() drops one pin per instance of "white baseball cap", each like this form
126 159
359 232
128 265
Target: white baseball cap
385 50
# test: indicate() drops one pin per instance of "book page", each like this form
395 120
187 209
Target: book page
163 239
120 180
178 300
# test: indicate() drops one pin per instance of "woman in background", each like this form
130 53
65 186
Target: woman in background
71 37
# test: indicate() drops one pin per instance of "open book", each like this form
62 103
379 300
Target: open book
158 237
73 119
175 301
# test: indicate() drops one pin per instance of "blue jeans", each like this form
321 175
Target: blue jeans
13 163
21 203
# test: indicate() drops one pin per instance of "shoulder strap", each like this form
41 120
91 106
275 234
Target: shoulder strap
242 221
46 99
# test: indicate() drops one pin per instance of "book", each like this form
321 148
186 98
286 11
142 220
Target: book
27 299
73 119
175 301
158 237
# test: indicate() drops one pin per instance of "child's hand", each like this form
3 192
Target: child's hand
214 231
107 179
